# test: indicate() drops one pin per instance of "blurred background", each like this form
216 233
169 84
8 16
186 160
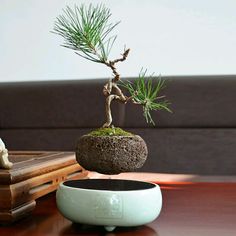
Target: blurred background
168 37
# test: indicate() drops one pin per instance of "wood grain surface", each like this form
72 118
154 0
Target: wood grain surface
189 209
34 174
28 164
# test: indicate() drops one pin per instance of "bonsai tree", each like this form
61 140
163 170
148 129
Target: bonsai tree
87 31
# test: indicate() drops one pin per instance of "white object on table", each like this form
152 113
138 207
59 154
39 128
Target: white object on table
4 162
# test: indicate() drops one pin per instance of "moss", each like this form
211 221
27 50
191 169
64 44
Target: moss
110 132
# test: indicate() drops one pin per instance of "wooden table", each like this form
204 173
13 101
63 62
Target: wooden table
189 208
34 174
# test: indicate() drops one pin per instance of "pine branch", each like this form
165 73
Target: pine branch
111 64
86 30
144 92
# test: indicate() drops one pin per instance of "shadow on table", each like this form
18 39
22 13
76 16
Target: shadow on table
79 229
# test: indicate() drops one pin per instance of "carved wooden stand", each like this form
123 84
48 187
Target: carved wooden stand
33 175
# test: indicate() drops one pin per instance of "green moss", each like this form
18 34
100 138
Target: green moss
110 132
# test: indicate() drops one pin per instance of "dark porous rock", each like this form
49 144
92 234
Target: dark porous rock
111 154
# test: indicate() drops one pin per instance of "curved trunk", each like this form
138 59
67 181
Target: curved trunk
108 110
111 85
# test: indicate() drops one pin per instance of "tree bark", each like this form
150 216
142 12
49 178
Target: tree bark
108 110
111 86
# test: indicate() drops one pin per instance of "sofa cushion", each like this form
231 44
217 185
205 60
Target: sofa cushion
54 104
197 101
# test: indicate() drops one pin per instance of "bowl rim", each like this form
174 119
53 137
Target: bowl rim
153 186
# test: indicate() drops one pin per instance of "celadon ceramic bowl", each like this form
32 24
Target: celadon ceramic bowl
109 202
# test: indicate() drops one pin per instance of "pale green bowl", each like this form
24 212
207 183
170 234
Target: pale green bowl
109 202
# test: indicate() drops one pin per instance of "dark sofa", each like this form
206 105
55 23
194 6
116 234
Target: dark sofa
199 137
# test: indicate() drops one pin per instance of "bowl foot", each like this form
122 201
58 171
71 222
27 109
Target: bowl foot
109 228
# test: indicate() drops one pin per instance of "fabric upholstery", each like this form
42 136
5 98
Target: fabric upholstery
198 137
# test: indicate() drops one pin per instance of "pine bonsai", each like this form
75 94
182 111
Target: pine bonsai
87 31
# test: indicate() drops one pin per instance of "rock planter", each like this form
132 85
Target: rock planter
111 154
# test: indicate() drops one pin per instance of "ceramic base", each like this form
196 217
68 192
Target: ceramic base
109 202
